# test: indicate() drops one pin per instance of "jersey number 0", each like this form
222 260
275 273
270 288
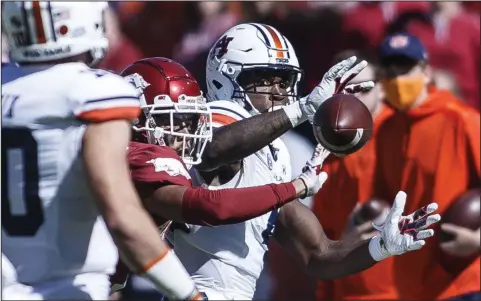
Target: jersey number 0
20 183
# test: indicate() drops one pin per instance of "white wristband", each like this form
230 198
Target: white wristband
170 278
377 252
294 113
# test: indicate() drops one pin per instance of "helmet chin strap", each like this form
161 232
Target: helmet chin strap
158 135
253 111
154 135
245 101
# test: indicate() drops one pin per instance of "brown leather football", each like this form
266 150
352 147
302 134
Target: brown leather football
342 124
370 210
464 211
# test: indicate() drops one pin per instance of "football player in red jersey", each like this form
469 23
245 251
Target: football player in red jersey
170 136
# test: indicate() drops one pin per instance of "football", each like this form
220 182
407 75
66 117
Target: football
374 210
342 124
464 211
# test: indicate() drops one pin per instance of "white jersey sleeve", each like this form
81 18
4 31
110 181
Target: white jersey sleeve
109 97
70 91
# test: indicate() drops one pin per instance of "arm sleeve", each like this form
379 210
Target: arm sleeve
99 96
230 206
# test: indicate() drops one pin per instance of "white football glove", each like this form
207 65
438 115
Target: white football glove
401 234
311 175
334 82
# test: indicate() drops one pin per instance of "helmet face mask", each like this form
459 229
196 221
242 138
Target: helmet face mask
44 31
186 128
182 122
267 87
245 52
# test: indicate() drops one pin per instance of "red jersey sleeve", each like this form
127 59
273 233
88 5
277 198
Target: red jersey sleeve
156 164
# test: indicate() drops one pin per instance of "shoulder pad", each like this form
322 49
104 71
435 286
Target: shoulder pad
99 95
157 164
225 112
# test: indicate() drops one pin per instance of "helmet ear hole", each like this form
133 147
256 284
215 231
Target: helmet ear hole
217 84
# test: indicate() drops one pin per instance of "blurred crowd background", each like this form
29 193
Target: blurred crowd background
320 32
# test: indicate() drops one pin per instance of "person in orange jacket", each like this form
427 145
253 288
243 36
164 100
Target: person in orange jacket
339 199
429 148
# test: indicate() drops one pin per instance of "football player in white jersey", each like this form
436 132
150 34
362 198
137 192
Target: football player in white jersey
175 118
67 197
252 70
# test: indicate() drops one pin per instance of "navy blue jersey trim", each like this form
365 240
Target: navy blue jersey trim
112 98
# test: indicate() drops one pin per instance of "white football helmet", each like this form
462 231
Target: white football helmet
42 31
246 47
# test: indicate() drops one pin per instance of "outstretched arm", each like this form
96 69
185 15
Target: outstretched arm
299 231
245 137
201 206
227 206
240 139
302 236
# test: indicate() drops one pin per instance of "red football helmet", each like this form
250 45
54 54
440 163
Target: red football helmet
169 96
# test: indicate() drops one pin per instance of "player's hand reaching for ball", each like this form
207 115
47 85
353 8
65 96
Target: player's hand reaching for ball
400 234
312 179
335 81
